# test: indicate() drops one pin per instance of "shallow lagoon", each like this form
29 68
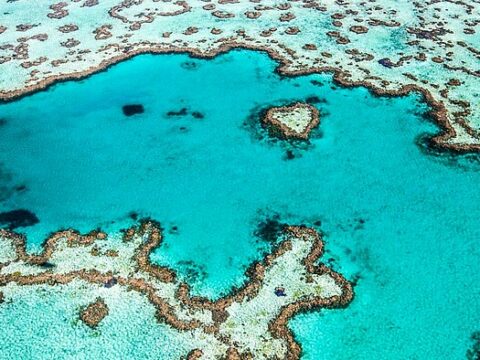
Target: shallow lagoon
402 220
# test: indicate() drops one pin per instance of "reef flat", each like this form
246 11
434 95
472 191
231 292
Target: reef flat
249 323
392 47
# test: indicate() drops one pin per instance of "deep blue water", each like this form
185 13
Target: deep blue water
400 220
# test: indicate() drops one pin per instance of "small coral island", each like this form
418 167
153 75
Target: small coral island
292 122
249 323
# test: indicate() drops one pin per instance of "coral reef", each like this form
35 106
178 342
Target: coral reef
250 322
292 122
391 47
94 313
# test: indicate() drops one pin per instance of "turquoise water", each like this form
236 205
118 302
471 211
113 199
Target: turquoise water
401 220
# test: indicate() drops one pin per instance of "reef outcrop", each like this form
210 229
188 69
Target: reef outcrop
94 313
292 122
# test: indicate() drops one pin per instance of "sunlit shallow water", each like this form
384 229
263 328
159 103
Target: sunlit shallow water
401 221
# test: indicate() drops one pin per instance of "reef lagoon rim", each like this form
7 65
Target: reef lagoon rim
393 46
438 110
198 160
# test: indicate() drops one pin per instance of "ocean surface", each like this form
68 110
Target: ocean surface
398 219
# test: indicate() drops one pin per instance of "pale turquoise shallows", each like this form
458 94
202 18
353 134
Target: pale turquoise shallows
405 221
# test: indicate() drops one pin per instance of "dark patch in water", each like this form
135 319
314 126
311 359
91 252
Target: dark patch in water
183 129
289 155
193 272
197 115
173 230
316 83
181 112
315 100
355 278
354 224
362 256
21 188
47 265
184 112
254 126
6 190
18 218
474 352
359 225
3 122
132 109
270 229
133 215
189 65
